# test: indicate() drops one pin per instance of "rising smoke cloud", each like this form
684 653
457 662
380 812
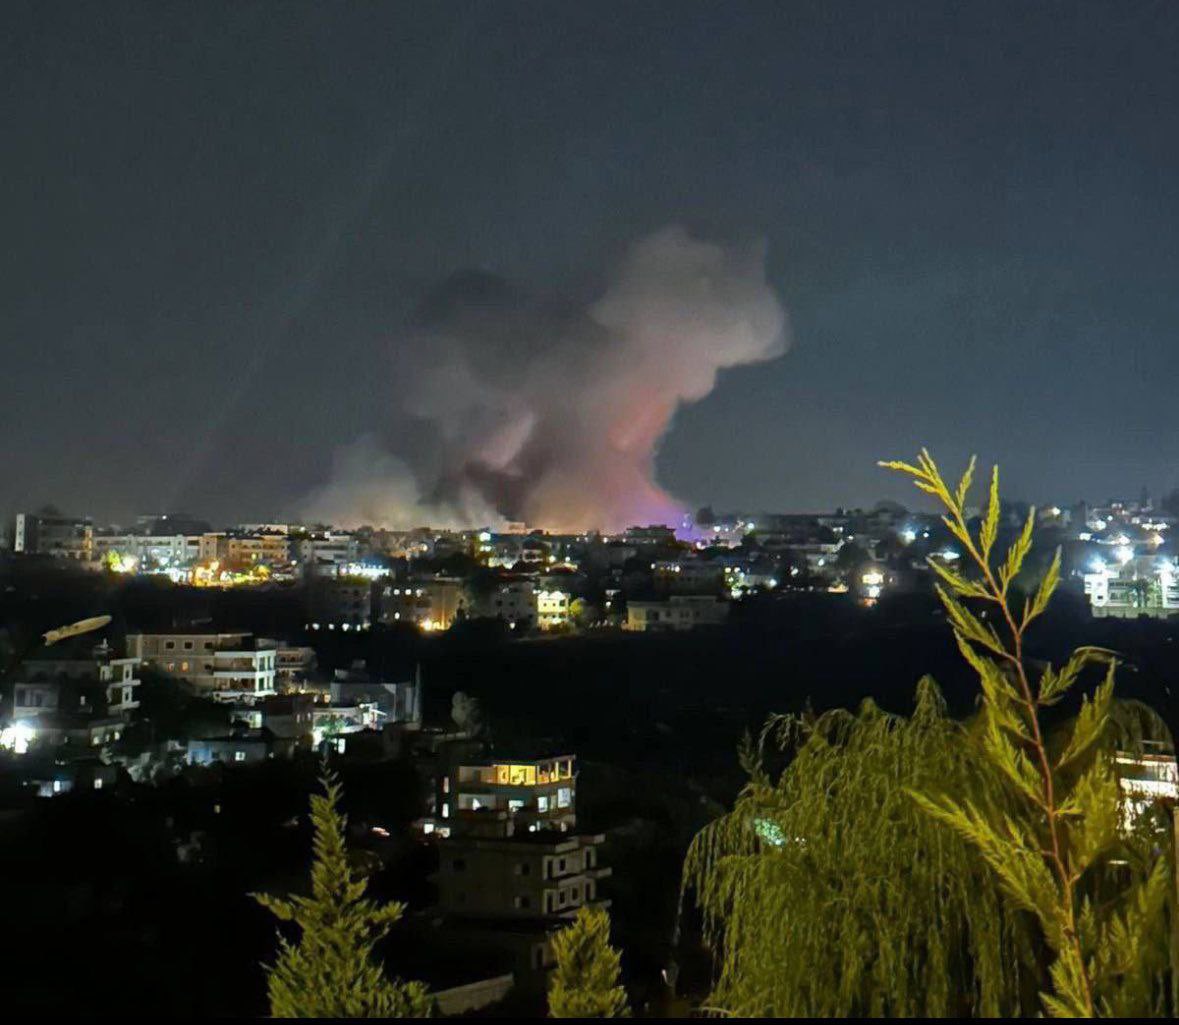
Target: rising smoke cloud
527 408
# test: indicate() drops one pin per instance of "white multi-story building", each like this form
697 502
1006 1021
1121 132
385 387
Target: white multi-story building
224 666
1132 586
1147 778
85 697
174 550
552 609
328 546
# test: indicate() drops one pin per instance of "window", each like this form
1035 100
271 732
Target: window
239 756
523 868
98 783
542 803
188 645
169 645
564 797
523 902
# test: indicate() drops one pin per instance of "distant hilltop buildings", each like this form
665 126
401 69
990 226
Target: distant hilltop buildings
644 579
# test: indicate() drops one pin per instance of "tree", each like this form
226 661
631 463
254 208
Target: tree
1056 843
467 712
850 557
837 887
331 972
827 892
584 984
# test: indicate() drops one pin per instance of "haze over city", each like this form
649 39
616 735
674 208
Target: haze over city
221 223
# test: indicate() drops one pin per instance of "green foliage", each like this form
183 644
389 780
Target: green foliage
828 892
584 983
331 972
1057 843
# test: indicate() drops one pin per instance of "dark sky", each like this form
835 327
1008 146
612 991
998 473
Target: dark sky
216 217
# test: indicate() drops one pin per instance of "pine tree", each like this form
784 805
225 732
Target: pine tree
585 983
1057 843
331 972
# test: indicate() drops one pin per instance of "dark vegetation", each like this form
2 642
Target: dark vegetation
102 915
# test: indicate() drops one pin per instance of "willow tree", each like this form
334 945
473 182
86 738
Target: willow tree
1056 840
828 892
923 866
331 971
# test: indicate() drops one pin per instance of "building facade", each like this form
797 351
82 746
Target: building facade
678 612
224 666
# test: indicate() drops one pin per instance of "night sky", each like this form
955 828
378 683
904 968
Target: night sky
217 217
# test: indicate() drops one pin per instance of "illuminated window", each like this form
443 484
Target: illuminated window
564 797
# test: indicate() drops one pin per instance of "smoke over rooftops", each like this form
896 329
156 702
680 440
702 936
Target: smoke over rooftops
550 413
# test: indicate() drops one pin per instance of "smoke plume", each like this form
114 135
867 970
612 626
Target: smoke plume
514 406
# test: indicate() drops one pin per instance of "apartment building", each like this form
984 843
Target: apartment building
552 608
1129 586
678 612
63 537
81 696
539 875
509 798
226 666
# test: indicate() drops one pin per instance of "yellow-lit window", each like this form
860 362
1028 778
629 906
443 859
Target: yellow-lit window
516 775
